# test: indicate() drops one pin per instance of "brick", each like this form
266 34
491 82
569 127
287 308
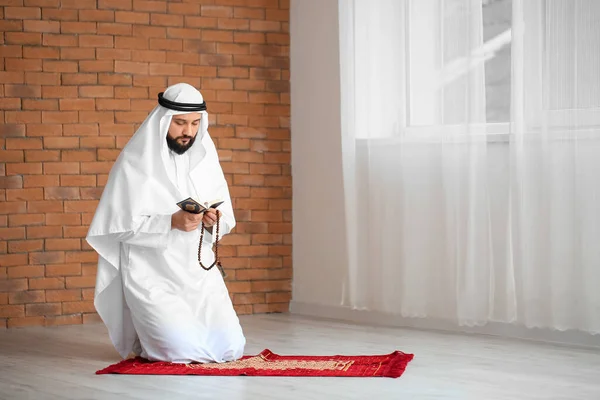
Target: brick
27 38
46 283
13 207
115 29
62 193
23 143
216 11
63 219
72 269
12 233
42 26
12 260
278 38
44 206
95 117
115 130
251 13
12 130
78 155
183 33
115 4
51 39
249 298
183 8
48 257
11 182
113 54
233 24
192 21
77 231
41 105
23 322
13 285
12 77
25 246
52 14
61 143
22 117
59 66
98 142
80 282
96 91
166 20
22 13
23 220
134 43
90 14
24 194
249 37
68 53
165 69
77 104
62 244
81 256
57 296
209 35
96 66
166 44
199 46
278 15
78 307
128 17
43 309
59 92
78 180
80 129
96 41
28 65
12 311
114 80
41 232
150 6
81 206
29 296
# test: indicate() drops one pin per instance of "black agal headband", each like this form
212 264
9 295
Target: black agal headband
172 105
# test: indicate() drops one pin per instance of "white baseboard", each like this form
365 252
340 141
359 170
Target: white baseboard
570 338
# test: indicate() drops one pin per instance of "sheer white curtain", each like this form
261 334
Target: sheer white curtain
555 164
447 219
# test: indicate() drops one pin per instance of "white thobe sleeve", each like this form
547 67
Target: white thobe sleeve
148 231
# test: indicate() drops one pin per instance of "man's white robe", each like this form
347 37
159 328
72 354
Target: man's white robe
151 292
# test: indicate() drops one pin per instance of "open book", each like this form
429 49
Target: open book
191 205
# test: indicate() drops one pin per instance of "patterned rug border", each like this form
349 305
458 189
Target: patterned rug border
267 363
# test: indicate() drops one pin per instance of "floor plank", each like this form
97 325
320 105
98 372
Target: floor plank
59 363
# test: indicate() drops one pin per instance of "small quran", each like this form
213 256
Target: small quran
194 207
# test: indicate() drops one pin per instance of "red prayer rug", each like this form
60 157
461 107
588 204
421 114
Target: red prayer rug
268 363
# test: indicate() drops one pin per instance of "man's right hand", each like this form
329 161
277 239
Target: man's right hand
185 221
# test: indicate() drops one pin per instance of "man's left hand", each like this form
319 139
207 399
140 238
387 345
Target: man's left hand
210 217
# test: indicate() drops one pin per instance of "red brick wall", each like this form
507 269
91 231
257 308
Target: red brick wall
77 77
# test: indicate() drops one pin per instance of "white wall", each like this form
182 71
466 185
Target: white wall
319 252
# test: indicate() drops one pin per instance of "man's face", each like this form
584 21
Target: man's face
182 131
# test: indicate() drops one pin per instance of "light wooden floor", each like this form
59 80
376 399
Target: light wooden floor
59 363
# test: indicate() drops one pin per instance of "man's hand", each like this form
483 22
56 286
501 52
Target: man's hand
185 221
210 217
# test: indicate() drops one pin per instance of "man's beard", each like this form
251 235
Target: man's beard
180 148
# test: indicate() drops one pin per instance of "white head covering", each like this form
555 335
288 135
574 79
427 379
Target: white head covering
139 185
